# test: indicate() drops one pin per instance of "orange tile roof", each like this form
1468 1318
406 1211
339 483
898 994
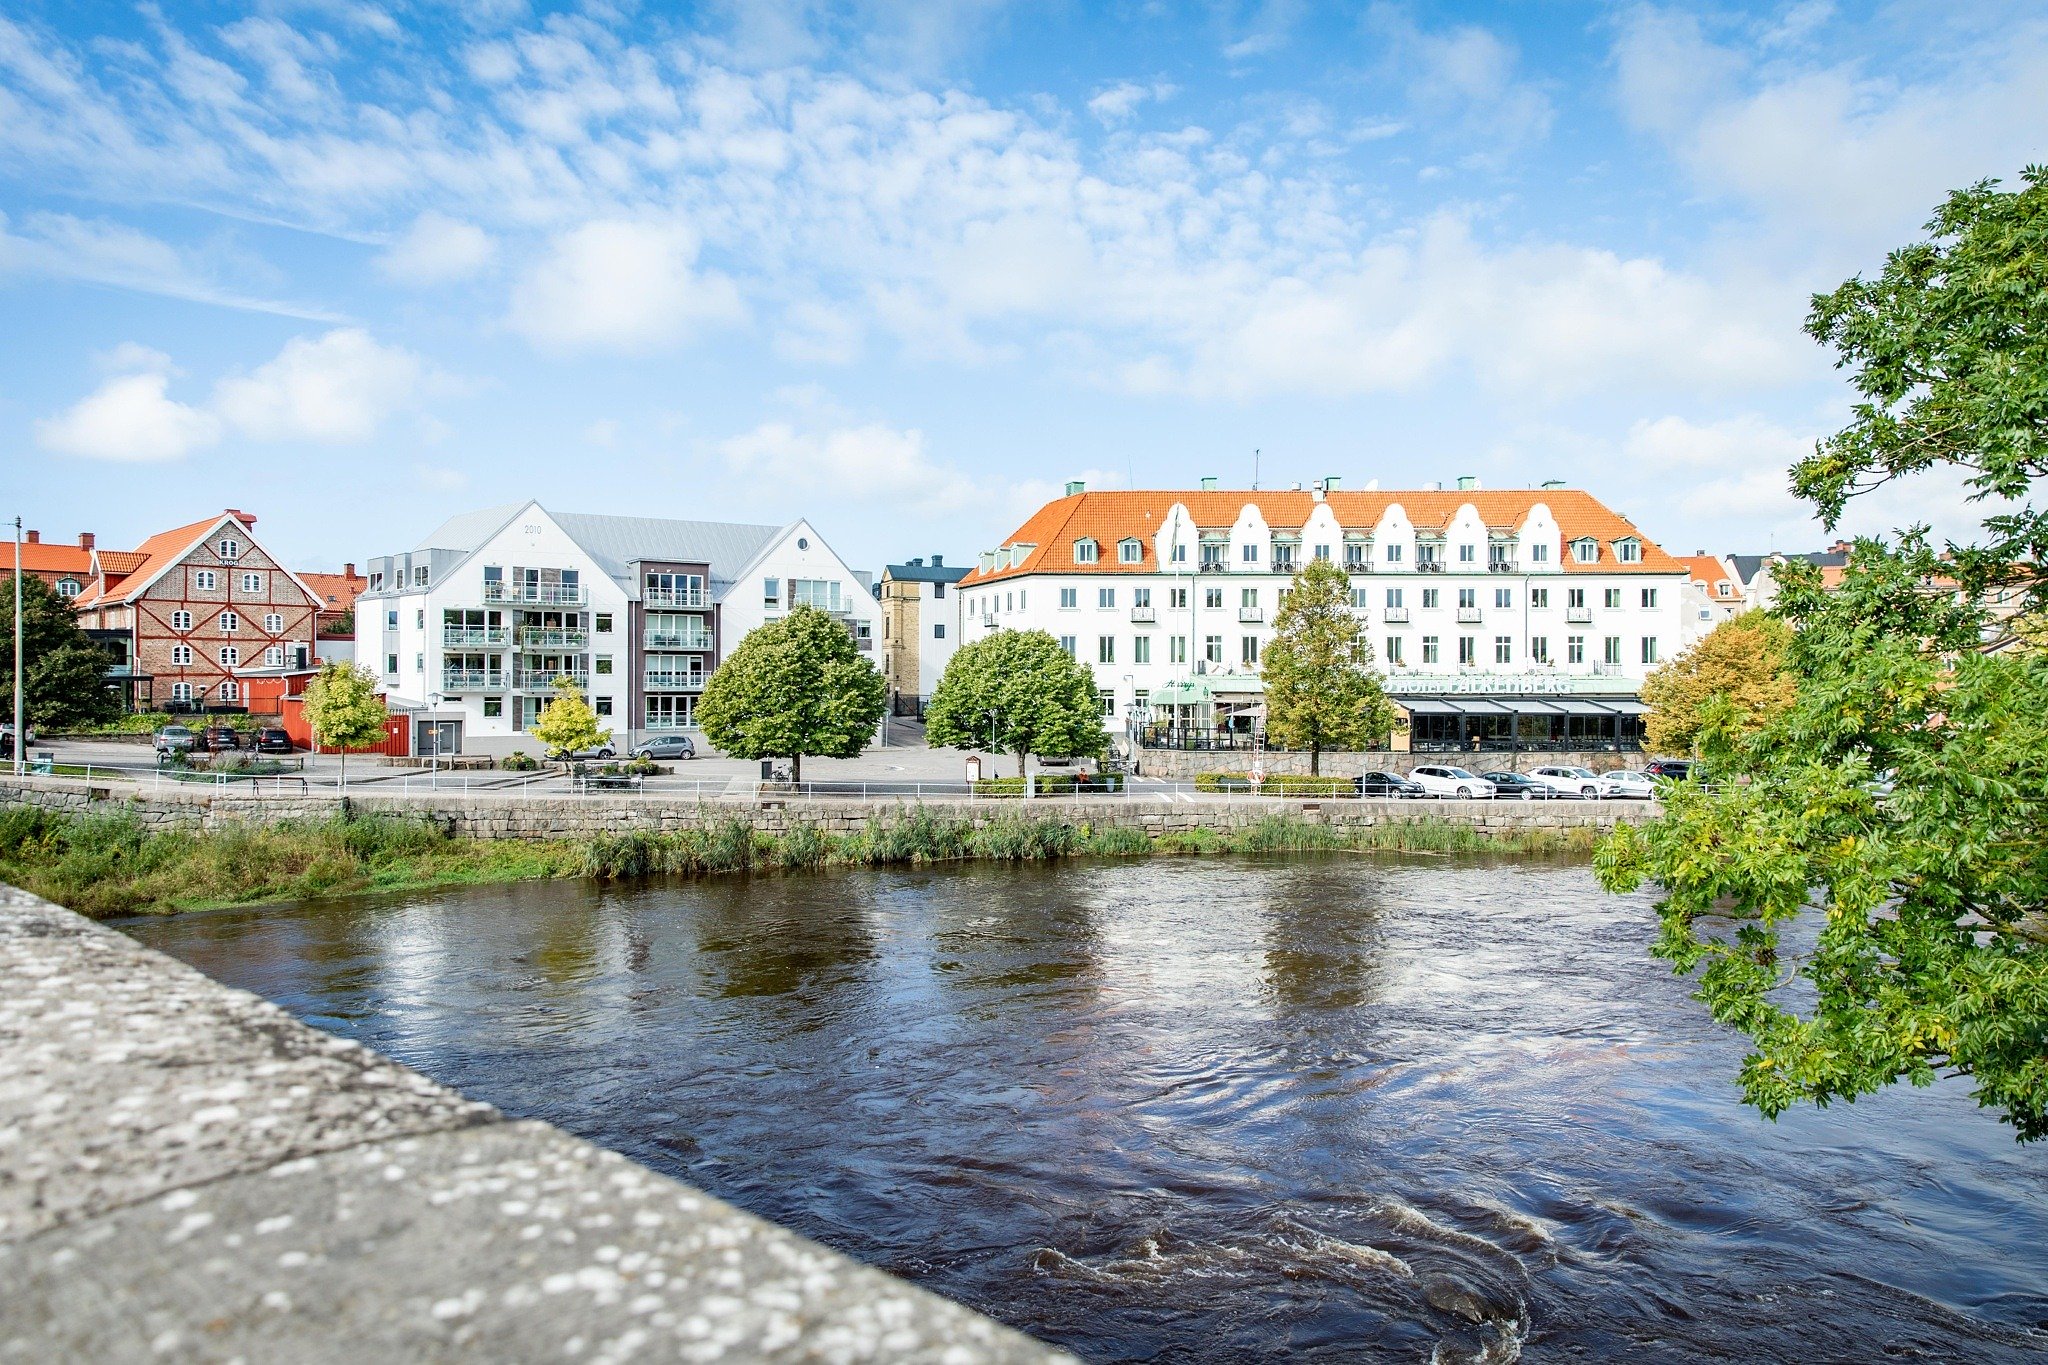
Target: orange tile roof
1114 516
121 561
160 551
335 591
43 557
1709 569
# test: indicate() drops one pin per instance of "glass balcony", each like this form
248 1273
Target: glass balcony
545 594
550 637
676 597
543 679
472 680
1142 616
666 639
474 637
673 682
1251 616
1578 616
1469 616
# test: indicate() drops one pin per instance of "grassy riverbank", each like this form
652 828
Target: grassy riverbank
110 864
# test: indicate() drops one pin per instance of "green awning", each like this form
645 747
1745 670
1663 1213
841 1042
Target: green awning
1182 694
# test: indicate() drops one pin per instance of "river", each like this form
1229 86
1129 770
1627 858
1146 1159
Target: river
1219 1109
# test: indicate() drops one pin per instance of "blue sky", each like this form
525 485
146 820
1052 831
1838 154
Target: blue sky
356 264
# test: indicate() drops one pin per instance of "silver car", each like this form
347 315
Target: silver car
666 746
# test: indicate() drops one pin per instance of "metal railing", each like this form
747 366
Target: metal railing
662 639
1429 566
674 682
1502 566
1395 615
1251 616
543 679
1284 565
552 637
547 594
1142 616
675 597
1469 616
473 637
1578 616
471 679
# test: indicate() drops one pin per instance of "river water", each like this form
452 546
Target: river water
1340 1108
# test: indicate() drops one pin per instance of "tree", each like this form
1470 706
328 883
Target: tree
344 710
1017 692
64 674
1321 690
568 725
795 686
1863 892
1728 685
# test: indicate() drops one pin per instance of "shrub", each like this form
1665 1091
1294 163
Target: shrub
1052 784
1119 841
519 761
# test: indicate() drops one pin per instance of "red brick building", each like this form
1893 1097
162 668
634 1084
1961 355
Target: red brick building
67 568
194 605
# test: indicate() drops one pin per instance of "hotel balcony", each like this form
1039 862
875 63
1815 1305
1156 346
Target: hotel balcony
1395 615
543 594
474 637
1286 565
662 598
988 620
473 680
1142 616
665 639
551 638
1251 616
1469 616
1502 566
657 681
1578 616
1429 566
543 679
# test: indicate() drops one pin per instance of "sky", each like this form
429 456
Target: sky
357 265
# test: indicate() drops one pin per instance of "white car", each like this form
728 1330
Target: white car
1452 782
1566 781
1627 782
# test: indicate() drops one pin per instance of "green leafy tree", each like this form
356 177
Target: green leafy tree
568 725
1863 893
1321 689
344 710
1017 692
794 687
64 674
1729 684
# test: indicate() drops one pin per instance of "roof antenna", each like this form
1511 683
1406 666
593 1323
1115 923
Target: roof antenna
1255 471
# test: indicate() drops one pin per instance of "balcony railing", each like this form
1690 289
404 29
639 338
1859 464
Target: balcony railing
1429 566
552 637
675 597
472 679
988 620
1395 615
1469 616
665 639
1578 616
1502 566
473 637
1142 616
673 682
1251 616
1358 566
1283 565
658 721
547 594
543 679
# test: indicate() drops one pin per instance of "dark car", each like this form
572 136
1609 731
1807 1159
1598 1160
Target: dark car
1515 787
1677 769
666 746
272 739
1389 784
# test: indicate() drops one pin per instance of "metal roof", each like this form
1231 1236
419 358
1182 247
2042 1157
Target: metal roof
467 530
617 542
919 572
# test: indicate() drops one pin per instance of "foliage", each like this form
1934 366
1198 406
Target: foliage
64 674
1016 692
567 725
1321 690
519 761
1277 784
794 687
344 710
1729 684
128 723
1052 784
1862 932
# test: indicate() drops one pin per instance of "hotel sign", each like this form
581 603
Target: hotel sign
1472 682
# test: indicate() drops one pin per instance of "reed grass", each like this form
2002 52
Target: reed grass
110 863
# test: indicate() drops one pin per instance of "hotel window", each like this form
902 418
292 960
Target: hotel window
181 691
1613 597
1283 556
1394 597
1354 554
1130 552
604 623
252 582
205 580
419 619
1009 601
230 621
230 690
1468 597
1067 643
1177 598
1586 550
1105 649
494 708
181 620
377 581
1248 598
1539 554
1283 595
273 657
1430 598
1212 648
1249 554
1177 650
231 549
1613 649
1086 552
1212 554
1070 597
229 656
1212 598
1649 649
938 630
1575 649
1629 551
1539 598
1180 554
1393 554
1649 597
1467 554
181 656
419 576
1394 650
1248 649
273 622
69 587
1468 651
391 619
1429 556
1141 597
604 663
1105 701
1323 553
1539 649
1503 597
604 706
1141 650
391 664
419 663
1503 650
771 591
1361 599
1105 597
1429 649
1574 597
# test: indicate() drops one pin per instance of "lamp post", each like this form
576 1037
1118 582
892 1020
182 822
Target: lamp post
434 757
20 742
995 724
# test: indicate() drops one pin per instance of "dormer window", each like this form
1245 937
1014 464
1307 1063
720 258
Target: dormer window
1722 587
1130 551
231 549
1586 550
69 587
1087 551
1629 550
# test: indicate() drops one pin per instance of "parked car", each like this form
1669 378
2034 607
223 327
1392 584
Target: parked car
667 746
1676 769
218 737
273 739
1389 784
1568 781
1440 780
1628 783
7 739
604 750
174 739
1515 787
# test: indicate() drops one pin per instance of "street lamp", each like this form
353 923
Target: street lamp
995 724
434 725
20 741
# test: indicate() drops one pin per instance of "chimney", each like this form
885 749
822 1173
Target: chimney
348 570
1209 484
1840 547
1075 486
35 537
1315 490
1467 482
246 518
1331 483
85 540
917 563
938 561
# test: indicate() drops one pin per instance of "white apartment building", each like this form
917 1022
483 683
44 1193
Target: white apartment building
1501 618
470 629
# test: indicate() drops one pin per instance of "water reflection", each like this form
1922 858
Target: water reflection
1205 1109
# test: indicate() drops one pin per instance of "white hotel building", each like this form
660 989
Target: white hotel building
1502 619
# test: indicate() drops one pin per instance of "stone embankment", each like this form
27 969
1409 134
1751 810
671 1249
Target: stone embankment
511 816
188 1173
1181 764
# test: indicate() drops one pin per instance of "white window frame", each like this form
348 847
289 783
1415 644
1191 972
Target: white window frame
230 622
181 620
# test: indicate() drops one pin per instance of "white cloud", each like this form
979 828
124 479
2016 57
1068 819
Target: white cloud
100 251
1115 104
621 286
336 388
129 418
603 432
1465 81
437 249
